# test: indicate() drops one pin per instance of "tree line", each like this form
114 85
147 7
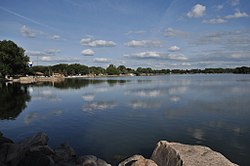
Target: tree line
14 62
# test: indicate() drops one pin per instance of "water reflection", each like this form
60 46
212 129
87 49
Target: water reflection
35 116
88 97
144 104
13 98
99 105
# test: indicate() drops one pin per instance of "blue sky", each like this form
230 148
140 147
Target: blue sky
148 33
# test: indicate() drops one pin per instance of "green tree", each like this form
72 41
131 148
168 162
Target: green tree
13 61
112 70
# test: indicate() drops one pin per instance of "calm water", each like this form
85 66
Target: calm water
114 118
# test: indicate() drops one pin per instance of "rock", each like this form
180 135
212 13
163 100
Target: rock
38 139
176 154
1 134
129 161
5 140
144 162
64 153
137 160
165 155
45 149
36 159
90 160
11 154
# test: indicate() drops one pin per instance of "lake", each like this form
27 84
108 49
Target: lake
117 117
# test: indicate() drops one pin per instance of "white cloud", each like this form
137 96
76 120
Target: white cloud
139 32
35 53
56 37
237 14
46 58
197 11
58 59
52 51
174 48
143 43
97 43
88 52
27 32
170 32
157 55
101 60
219 7
234 2
215 21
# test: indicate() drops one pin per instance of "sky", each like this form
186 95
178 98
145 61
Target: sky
171 34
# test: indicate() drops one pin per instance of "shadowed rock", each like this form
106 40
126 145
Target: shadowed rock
38 139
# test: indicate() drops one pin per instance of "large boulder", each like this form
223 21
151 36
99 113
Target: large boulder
177 154
90 160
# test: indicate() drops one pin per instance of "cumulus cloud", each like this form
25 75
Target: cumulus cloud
101 60
56 37
157 55
214 21
170 32
97 43
143 43
88 52
237 14
27 32
174 48
197 11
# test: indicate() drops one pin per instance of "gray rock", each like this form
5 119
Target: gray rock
36 159
90 160
11 154
5 140
129 161
176 154
45 149
165 155
144 162
38 139
64 153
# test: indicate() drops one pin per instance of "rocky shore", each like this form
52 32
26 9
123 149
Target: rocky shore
34 151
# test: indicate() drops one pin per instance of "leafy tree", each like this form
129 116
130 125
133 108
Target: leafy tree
122 69
112 70
13 61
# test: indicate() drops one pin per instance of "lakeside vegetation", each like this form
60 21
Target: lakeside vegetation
14 62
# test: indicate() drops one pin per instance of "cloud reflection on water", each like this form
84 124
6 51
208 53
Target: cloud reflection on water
99 105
